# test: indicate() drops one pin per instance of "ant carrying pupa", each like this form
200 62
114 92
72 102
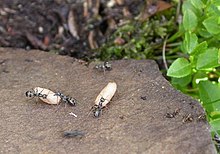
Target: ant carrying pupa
66 99
106 66
101 101
46 95
32 93
103 98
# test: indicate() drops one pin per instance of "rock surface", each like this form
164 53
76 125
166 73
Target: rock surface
145 116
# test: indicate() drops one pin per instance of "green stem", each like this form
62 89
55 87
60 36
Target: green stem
175 36
174 44
192 90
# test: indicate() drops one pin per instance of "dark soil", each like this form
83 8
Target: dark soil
47 25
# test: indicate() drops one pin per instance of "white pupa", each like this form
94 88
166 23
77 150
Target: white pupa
107 93
51 99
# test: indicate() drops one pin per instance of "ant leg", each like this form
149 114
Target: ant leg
44 96
58 107
58 104
35 94
40 94
65 104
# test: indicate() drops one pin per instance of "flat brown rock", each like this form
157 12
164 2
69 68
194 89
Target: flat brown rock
137 120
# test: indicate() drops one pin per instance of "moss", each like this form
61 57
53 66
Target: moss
139 40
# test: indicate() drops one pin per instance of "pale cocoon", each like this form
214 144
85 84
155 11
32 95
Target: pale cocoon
107 93
51 99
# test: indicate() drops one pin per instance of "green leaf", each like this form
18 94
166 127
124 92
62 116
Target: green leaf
208 60
209 92
190 42
196 76
179 68
200 48
215 114
219 56
197 4
189 20
215 125
203 32
209 95
181 82
212 25
216 2
187 5
212 9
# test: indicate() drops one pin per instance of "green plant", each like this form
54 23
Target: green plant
197 72
141 39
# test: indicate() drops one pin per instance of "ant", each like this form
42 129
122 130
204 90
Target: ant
75 133
106 66
34 93
216 138
66 99
172 115
97 109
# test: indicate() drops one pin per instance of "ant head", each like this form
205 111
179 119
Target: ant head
71 101
102 99
29 94
44 96
58 94
107 65
96 67
97 112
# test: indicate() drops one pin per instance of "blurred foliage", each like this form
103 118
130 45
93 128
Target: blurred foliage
139 39
197 72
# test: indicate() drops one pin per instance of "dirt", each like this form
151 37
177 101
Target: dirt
71 28
145 116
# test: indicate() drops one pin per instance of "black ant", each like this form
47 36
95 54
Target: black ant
216 138
97 109
172 115
75 133
106 66
34 93
66 99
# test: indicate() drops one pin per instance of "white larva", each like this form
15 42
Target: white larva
107 93
104 97
51 98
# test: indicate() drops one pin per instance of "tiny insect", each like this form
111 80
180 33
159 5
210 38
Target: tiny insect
75 133
69 100
172 115
34 93
106 66
188 118
216 138
43 94
201 117
103 98
97 109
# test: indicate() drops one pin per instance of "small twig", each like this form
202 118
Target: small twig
85 9
178 11
73 114
72 24
92 42
164 54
